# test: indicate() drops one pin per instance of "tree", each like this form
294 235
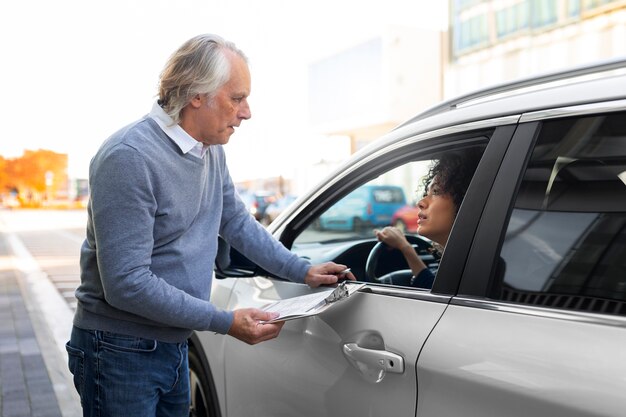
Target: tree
4 177
38 175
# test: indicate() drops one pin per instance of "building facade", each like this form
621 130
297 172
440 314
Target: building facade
365 91
493 41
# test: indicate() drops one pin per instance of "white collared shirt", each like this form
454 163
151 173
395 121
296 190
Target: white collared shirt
185 142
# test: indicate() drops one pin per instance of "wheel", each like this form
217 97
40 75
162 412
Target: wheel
358 225
401 277
203 400
400 225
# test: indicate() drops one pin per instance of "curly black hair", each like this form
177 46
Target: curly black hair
454 171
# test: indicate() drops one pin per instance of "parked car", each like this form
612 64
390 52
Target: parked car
405 218
527 313
366 207
276 207
257 202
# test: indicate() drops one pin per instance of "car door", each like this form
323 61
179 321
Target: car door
538 327
358 357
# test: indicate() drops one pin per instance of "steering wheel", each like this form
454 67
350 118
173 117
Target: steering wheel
401 277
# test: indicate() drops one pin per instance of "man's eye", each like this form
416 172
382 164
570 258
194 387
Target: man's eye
237 99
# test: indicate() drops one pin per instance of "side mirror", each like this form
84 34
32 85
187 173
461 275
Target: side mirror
229 263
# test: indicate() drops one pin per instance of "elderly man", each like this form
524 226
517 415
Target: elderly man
160 195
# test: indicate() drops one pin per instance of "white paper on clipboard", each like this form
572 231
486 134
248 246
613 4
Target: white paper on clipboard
311 304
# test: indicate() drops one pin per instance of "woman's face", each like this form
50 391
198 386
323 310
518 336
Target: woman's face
436 215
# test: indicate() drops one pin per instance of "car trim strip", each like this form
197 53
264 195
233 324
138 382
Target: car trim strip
396 140
544 312
593 108
412 293
449 130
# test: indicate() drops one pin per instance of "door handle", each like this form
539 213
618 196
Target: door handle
373 364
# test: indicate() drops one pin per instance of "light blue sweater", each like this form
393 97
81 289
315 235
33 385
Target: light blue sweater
154 216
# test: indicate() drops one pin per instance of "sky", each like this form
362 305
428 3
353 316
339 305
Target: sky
75 71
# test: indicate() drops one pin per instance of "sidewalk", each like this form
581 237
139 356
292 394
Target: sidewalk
34 380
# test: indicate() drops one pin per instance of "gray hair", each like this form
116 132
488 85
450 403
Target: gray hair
199 66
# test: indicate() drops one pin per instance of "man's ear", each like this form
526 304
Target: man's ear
196 101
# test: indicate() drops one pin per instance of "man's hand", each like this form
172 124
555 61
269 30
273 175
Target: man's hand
248 327
328 273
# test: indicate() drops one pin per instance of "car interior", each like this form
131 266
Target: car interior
370 261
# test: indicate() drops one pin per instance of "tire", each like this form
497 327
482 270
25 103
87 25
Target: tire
358 225
400 225
203 397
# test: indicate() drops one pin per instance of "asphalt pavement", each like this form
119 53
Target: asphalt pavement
35 321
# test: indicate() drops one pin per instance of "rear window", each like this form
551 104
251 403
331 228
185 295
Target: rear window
388 195
565 246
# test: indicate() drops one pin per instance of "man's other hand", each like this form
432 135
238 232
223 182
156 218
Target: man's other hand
249 326
328 273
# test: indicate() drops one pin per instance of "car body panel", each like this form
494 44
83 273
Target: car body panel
304 372
505 363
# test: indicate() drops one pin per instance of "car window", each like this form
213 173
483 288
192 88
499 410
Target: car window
372 205
344 232
565 245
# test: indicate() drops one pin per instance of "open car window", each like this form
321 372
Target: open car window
386 200
344 232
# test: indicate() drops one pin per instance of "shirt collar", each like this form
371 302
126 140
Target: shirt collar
182 139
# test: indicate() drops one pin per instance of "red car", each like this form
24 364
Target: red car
405 219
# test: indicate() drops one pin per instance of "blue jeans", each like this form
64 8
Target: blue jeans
120 375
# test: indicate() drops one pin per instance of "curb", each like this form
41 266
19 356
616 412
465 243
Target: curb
51 319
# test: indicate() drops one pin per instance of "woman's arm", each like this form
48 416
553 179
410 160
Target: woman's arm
394 238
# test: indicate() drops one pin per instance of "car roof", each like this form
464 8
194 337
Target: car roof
600 82
566 82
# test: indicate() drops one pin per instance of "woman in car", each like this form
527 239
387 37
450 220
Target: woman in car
445 186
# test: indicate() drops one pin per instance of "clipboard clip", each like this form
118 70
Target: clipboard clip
338 293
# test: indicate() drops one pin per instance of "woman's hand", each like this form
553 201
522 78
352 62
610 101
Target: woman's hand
393 237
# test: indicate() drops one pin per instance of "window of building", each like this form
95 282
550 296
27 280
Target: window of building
471 33
463 4
573 8
512 19
592 4
543 13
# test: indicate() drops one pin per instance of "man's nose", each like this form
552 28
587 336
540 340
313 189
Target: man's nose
244 110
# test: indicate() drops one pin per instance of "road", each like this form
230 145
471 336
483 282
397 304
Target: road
38 272
47 248
53 239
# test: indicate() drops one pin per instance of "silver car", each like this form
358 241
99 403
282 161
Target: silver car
527 314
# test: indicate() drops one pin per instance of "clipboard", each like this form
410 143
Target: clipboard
311 304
